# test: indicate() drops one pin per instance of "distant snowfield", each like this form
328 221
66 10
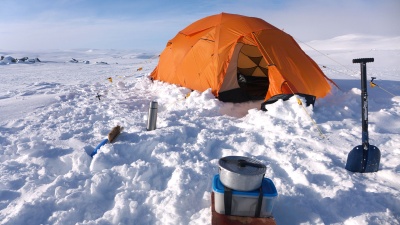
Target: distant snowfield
51 119
357 42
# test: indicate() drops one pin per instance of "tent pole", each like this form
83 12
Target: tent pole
263 52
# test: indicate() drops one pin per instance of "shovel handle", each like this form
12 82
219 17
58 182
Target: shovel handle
363 60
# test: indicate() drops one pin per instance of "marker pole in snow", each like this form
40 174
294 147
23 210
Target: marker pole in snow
364 158
152 119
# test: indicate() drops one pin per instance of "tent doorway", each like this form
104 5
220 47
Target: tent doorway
252 72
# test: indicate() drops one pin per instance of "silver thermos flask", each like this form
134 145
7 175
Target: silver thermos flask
152 119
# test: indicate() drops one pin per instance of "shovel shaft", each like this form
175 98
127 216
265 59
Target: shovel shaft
364 99
364 109
364 105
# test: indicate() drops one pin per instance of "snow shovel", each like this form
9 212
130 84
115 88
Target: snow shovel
364 158
111 137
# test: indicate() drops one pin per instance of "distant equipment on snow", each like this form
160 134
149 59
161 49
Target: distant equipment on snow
10 60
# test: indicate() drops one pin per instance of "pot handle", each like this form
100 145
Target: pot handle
243 163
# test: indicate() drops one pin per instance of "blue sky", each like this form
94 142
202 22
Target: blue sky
149 24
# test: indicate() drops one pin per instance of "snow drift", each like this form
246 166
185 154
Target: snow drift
51 120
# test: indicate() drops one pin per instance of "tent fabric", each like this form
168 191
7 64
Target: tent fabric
212 52
251 62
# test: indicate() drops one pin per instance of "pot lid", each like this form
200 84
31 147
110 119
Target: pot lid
242 165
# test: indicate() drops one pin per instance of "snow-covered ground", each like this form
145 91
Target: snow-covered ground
50 120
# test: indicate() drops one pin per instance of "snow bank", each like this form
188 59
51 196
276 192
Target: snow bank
51 120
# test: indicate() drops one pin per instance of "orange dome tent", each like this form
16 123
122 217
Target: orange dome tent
240 58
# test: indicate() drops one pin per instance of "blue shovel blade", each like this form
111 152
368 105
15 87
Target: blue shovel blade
363 161
98 147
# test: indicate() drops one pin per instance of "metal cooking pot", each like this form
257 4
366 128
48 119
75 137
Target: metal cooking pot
241 173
